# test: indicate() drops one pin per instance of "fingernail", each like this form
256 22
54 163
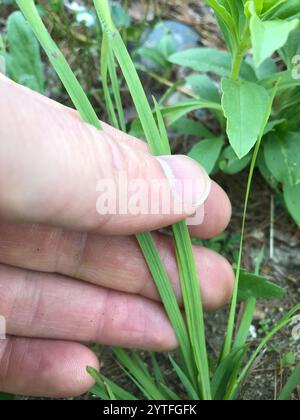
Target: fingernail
189 181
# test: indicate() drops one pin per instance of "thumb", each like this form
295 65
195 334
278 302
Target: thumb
57 170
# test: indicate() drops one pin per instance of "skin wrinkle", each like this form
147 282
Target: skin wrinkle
36 303
5 358
13 306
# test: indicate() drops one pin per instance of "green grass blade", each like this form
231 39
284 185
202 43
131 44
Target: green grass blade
249 310
104 80
192 304
159 145
192 393
116 89
287 319
169 300
130 75
100 381
246 322
59 62
144 380
157 370
170 393
225 372
291 385
165 148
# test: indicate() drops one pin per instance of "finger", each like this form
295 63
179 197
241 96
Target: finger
217 214
57 170
45 368
112 262
41 305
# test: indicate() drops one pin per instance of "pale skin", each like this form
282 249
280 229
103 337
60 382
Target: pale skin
67 276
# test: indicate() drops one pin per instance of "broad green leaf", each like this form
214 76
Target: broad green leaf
271 126
120 16
211 60
282 155
268 36
207 152
285 79
204 87
230 164
188 127
291 49
292 200
24 65
258 287
286 9
268 5
264 170
154 55
174 113
245 106
266 69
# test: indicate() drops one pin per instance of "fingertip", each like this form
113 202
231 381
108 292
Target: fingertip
84 381
218 212
217 273
68 376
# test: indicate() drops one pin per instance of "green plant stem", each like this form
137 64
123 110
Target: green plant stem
104 76
116 89
236 66
242 47
230 329
231 322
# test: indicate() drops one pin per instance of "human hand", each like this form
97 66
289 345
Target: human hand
68 275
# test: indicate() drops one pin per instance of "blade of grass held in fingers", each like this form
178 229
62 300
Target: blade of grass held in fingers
59 62
192 304
171 306
158 141
163 284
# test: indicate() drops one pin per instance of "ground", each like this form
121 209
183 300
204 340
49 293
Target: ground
268 224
